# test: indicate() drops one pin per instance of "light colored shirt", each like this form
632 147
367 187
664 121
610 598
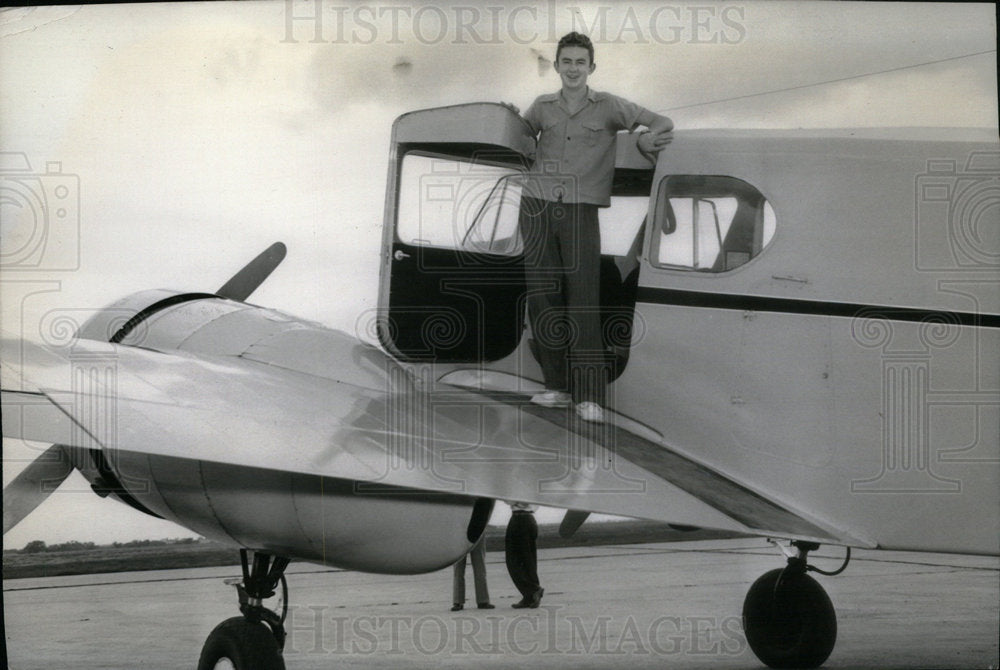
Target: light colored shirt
576 152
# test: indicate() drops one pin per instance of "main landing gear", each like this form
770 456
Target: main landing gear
788 618
255 640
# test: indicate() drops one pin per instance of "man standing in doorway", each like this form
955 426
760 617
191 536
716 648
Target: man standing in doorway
571 177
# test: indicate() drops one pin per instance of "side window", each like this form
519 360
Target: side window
709 223
457 204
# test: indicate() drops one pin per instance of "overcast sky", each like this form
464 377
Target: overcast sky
198 134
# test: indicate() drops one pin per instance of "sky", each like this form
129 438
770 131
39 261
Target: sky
192 136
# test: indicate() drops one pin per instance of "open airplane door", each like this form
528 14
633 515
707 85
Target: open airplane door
452 281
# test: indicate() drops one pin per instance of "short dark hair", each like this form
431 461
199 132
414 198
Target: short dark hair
576 39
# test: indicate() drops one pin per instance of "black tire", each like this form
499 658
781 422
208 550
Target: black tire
795 627
248 646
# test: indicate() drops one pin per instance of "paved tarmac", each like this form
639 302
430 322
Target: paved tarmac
669 605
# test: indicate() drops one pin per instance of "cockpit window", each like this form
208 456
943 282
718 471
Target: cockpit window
709 223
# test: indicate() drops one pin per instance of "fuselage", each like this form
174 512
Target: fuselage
813 314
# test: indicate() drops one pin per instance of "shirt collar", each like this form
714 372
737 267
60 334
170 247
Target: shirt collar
592 95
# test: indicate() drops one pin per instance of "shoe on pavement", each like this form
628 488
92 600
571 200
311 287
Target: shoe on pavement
536 598
521 604
552 399
486 606
590 411
456 607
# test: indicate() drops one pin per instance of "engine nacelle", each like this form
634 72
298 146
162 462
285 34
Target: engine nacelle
338 522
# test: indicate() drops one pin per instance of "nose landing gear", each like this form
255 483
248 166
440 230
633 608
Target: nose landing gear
788 618
255 640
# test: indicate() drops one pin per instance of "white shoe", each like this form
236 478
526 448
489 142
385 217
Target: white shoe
552 399
590 411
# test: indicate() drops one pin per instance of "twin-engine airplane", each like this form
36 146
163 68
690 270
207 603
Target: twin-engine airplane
802 327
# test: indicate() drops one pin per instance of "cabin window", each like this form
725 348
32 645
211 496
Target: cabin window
457 204
709 223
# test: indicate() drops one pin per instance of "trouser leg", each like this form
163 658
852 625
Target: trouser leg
531 554
458 583
478 556
580 245
521 553
544 279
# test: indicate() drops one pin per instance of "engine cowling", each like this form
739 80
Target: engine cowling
338 522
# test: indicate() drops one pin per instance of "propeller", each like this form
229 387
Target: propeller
572 522
253 274
34 484
44 475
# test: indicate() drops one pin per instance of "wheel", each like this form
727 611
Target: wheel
793 627
239 644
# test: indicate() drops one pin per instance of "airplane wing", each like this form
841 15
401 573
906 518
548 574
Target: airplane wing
263 414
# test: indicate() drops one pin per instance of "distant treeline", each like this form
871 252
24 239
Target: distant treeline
38 546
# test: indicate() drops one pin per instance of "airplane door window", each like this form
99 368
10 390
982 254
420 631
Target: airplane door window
709 223
456 204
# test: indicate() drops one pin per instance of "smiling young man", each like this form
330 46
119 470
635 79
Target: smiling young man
571 177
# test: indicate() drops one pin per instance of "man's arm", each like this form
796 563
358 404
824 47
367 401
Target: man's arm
530 116
659 132
655 122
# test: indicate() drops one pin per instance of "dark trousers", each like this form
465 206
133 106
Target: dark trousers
521 552
562 247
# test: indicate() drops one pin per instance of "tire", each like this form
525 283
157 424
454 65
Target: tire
793 628
246 645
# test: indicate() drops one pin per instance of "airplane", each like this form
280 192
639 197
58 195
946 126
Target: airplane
801 327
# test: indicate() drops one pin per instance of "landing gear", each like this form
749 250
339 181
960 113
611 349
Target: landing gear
255 640
788 618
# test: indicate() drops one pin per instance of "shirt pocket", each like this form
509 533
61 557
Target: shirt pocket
593 133
549 124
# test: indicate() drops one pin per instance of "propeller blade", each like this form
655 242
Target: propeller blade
34 484
572 522
253 274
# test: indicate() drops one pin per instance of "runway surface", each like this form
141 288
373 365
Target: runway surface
669 605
